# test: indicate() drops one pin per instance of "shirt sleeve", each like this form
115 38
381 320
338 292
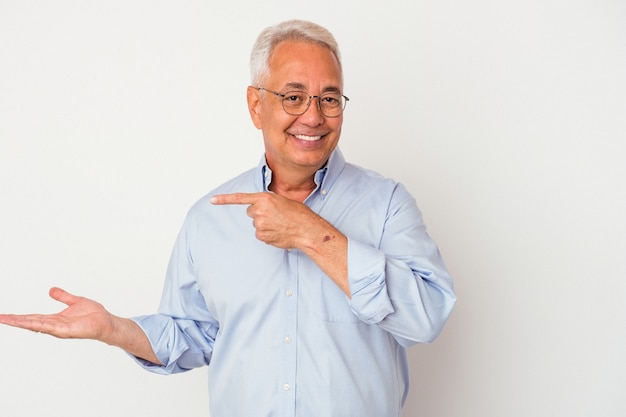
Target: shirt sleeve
402 285
183 332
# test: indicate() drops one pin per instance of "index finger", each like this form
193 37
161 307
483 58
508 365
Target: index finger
235 198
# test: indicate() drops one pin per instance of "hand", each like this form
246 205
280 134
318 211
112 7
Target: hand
288 224
82 319
86 319
278 221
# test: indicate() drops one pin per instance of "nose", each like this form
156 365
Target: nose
313 115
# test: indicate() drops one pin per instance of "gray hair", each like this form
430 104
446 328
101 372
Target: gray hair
291 30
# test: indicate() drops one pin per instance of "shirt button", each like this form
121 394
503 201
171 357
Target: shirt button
287 339
289 293
324 192
286 387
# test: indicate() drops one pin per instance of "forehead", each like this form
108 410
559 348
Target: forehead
307 65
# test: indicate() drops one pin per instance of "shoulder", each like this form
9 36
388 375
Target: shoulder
367 181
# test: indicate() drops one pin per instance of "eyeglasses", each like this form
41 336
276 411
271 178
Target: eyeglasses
298 102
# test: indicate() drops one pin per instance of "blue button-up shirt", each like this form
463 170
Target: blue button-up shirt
280 337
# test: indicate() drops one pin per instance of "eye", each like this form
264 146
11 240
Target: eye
294 98
331 100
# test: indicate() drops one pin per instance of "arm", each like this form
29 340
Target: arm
183 332
401 283
86 319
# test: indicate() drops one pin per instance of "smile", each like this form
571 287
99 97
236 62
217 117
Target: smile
308 138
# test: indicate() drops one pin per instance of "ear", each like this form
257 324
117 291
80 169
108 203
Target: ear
253 96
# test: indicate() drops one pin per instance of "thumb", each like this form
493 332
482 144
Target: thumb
62 296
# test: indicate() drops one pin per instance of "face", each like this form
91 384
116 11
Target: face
301 143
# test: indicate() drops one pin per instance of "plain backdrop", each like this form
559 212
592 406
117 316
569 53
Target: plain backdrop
506 120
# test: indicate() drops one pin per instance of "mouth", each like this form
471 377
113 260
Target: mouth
308 138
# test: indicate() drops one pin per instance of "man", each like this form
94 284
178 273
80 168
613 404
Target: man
300 282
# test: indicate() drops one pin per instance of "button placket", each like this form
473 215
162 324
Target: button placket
288 351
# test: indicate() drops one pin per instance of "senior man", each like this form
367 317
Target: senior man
300 282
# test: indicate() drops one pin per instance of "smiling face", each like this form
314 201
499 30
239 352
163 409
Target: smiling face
297 143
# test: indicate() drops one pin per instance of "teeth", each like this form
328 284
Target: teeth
311 138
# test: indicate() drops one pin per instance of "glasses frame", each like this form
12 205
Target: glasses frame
308 104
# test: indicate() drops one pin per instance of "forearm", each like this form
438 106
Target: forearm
328 248
127 335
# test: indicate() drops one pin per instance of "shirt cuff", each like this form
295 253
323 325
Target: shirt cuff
157 327
368 287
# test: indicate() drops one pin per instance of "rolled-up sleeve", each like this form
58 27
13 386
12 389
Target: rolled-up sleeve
402 283
183 332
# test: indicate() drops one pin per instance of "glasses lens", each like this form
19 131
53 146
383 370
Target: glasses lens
295 102
331 104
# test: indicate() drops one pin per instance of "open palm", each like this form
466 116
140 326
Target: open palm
82 319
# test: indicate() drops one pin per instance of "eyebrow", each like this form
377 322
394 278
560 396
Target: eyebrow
301 87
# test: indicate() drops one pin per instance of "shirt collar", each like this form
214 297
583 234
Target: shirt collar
325 177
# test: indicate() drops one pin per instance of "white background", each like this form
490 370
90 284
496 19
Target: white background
506 119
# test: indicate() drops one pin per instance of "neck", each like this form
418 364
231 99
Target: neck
293 185
298 192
